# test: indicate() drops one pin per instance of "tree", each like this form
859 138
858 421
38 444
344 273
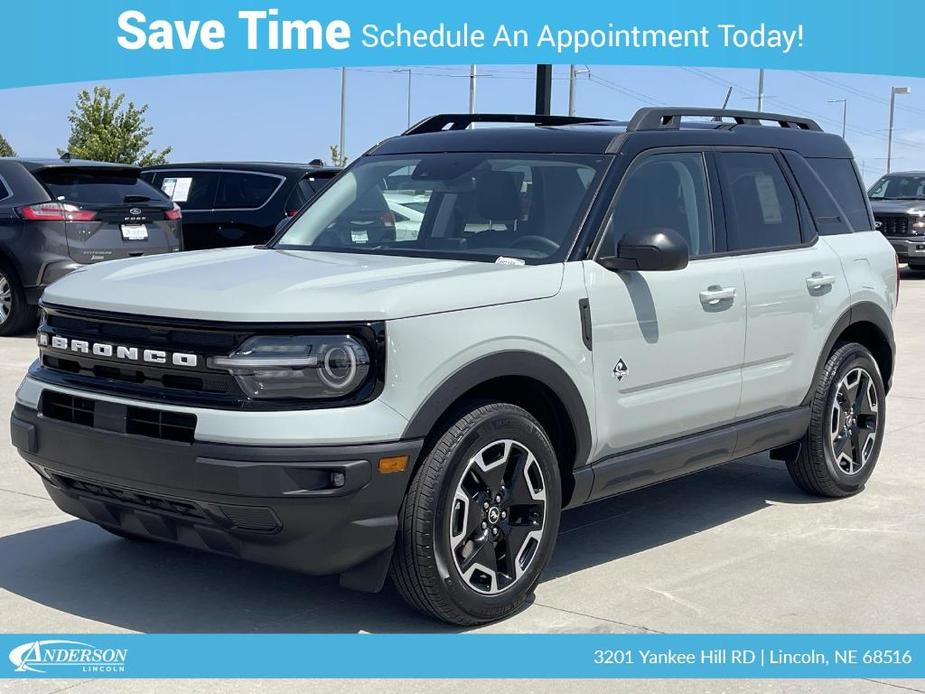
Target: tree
336 158
5 149
101 129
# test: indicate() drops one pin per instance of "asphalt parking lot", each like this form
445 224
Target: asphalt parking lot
733 549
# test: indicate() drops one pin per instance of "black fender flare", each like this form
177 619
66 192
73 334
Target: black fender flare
862 312
498 365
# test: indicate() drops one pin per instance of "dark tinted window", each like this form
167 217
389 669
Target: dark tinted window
191 190
665 191
96 188
761 211
245 190
841 178
4 191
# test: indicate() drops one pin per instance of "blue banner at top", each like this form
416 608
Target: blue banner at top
55 41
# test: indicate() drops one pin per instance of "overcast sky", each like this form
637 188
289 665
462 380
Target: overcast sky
294 115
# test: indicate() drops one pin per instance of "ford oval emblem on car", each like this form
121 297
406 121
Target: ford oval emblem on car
135 211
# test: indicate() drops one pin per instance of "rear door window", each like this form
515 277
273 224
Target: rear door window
96 187
761 211
245 191
841 178
191 190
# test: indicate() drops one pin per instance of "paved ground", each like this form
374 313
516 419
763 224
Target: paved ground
734 549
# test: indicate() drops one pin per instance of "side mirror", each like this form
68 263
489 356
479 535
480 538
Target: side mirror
649 249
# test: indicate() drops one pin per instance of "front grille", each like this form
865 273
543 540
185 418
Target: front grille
162 361
894 224
137 378
138 421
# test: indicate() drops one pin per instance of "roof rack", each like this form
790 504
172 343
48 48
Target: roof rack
461 121
670 118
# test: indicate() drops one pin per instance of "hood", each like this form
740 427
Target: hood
259 285
896 206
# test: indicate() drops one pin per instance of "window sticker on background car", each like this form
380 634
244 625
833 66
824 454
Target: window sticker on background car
767 194
177 189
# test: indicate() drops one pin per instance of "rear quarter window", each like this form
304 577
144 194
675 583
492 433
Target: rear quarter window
841 178
4 190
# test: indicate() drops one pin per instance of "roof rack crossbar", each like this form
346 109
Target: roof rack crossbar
670 118
461 121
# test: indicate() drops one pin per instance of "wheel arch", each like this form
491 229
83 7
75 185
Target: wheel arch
522 378
868 324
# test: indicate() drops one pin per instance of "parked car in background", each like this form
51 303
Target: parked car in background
898 202
236 203
59 214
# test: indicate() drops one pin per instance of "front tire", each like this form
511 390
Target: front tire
916 267
839 452
480 519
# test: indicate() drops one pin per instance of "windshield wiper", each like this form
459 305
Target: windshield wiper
136 198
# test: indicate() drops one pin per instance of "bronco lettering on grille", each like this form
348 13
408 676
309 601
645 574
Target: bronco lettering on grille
116 352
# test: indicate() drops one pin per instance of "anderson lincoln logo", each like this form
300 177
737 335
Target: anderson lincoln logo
53 656
106 350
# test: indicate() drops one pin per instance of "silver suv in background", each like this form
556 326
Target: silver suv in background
584 308
57 215
898 202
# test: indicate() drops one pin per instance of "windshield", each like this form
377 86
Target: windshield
476 206
899 187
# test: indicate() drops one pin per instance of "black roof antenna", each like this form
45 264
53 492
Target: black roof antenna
66 156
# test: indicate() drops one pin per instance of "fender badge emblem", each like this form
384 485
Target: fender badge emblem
620 370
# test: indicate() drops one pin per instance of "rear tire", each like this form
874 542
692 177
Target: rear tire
839 451
479 522
15 314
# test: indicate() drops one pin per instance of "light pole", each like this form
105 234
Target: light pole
761 90
473 73
573 73
408 70
889 142
844 114
343 117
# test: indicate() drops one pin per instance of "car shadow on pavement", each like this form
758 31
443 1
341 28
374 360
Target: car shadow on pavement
80 569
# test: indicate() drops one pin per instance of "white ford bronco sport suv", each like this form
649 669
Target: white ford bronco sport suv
587 307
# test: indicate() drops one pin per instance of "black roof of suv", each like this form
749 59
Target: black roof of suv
648 127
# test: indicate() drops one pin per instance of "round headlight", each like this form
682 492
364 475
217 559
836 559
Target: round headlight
300 366
338 367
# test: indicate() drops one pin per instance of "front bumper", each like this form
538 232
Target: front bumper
907 248
315 509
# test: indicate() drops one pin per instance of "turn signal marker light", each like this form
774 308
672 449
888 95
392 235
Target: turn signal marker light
396 463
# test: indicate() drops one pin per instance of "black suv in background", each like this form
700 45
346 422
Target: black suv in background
59 214
235 203
898 202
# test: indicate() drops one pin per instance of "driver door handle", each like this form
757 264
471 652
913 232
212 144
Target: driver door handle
714 294
817 280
